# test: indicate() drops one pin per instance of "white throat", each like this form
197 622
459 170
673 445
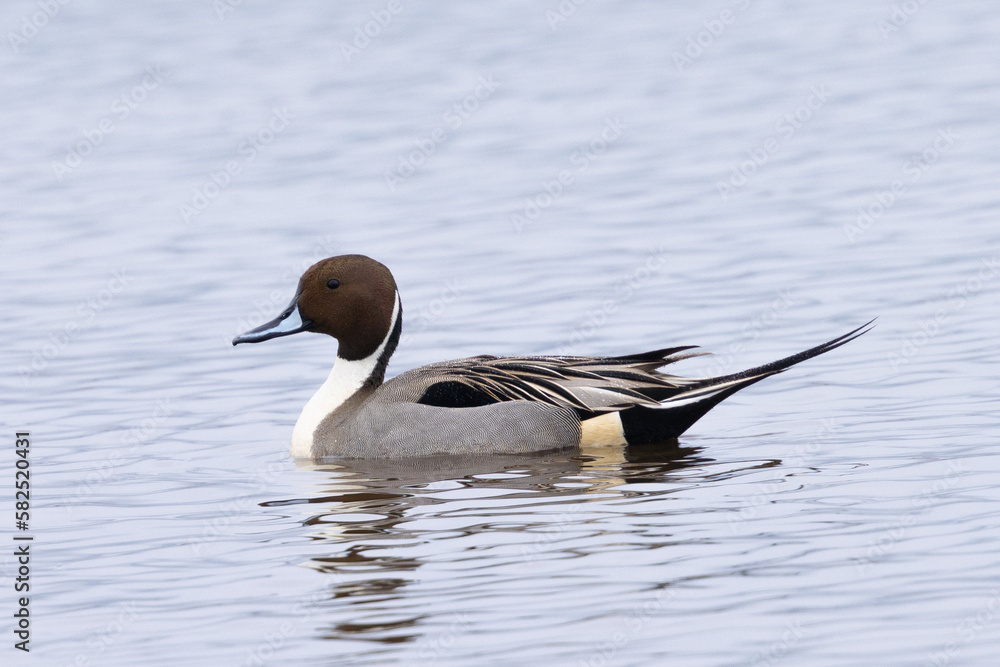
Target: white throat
345 379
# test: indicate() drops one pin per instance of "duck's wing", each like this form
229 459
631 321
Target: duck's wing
587 385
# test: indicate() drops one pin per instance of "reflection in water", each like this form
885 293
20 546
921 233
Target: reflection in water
382 518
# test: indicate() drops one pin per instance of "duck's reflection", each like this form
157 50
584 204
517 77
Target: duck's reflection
380 517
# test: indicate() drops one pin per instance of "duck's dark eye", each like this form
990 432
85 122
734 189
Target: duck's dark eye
333 283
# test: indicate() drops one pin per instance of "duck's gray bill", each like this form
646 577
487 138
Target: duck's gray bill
289 322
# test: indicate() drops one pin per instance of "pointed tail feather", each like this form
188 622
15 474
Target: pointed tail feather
648 425
782 364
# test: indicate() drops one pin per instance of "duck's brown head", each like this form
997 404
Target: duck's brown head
349 297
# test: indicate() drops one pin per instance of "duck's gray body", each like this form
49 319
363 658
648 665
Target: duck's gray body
386 428
485 404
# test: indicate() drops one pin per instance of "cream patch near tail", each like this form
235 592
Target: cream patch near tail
603 431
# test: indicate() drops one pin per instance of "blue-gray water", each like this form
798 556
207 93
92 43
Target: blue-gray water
168 172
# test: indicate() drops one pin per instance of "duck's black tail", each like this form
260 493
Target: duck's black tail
675 414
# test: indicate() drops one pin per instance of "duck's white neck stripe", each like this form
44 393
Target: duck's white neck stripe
345 379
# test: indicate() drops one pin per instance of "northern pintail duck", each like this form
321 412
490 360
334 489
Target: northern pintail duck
481 404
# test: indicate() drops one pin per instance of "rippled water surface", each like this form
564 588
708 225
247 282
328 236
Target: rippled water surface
753 177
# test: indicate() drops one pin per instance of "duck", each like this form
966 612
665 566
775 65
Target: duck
484 404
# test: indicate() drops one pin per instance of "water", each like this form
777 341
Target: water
842 513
